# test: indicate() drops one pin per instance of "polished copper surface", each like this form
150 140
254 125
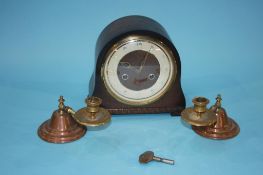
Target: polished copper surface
148 156
92 115
224 128
61 128
199 115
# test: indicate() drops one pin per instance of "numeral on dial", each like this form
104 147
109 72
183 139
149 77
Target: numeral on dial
139 44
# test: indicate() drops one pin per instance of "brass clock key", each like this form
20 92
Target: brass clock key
149 156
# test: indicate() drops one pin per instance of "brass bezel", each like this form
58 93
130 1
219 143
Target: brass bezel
159 43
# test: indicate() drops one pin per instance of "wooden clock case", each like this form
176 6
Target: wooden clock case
173 101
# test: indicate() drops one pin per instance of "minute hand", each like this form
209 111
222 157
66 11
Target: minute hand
144 60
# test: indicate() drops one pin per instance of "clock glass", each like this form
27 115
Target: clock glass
138 70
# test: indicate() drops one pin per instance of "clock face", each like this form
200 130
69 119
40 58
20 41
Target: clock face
138 70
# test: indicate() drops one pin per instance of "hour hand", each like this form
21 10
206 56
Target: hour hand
144 60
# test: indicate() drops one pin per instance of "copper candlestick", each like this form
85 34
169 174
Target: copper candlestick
224 128
61 128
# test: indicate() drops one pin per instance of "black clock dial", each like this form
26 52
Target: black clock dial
138 70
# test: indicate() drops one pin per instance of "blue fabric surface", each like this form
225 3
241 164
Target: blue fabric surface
47 49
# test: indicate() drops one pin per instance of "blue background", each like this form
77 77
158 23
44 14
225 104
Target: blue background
47 49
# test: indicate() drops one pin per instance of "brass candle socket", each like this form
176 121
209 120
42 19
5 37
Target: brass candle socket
199 115
200 104
92 115
93 104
